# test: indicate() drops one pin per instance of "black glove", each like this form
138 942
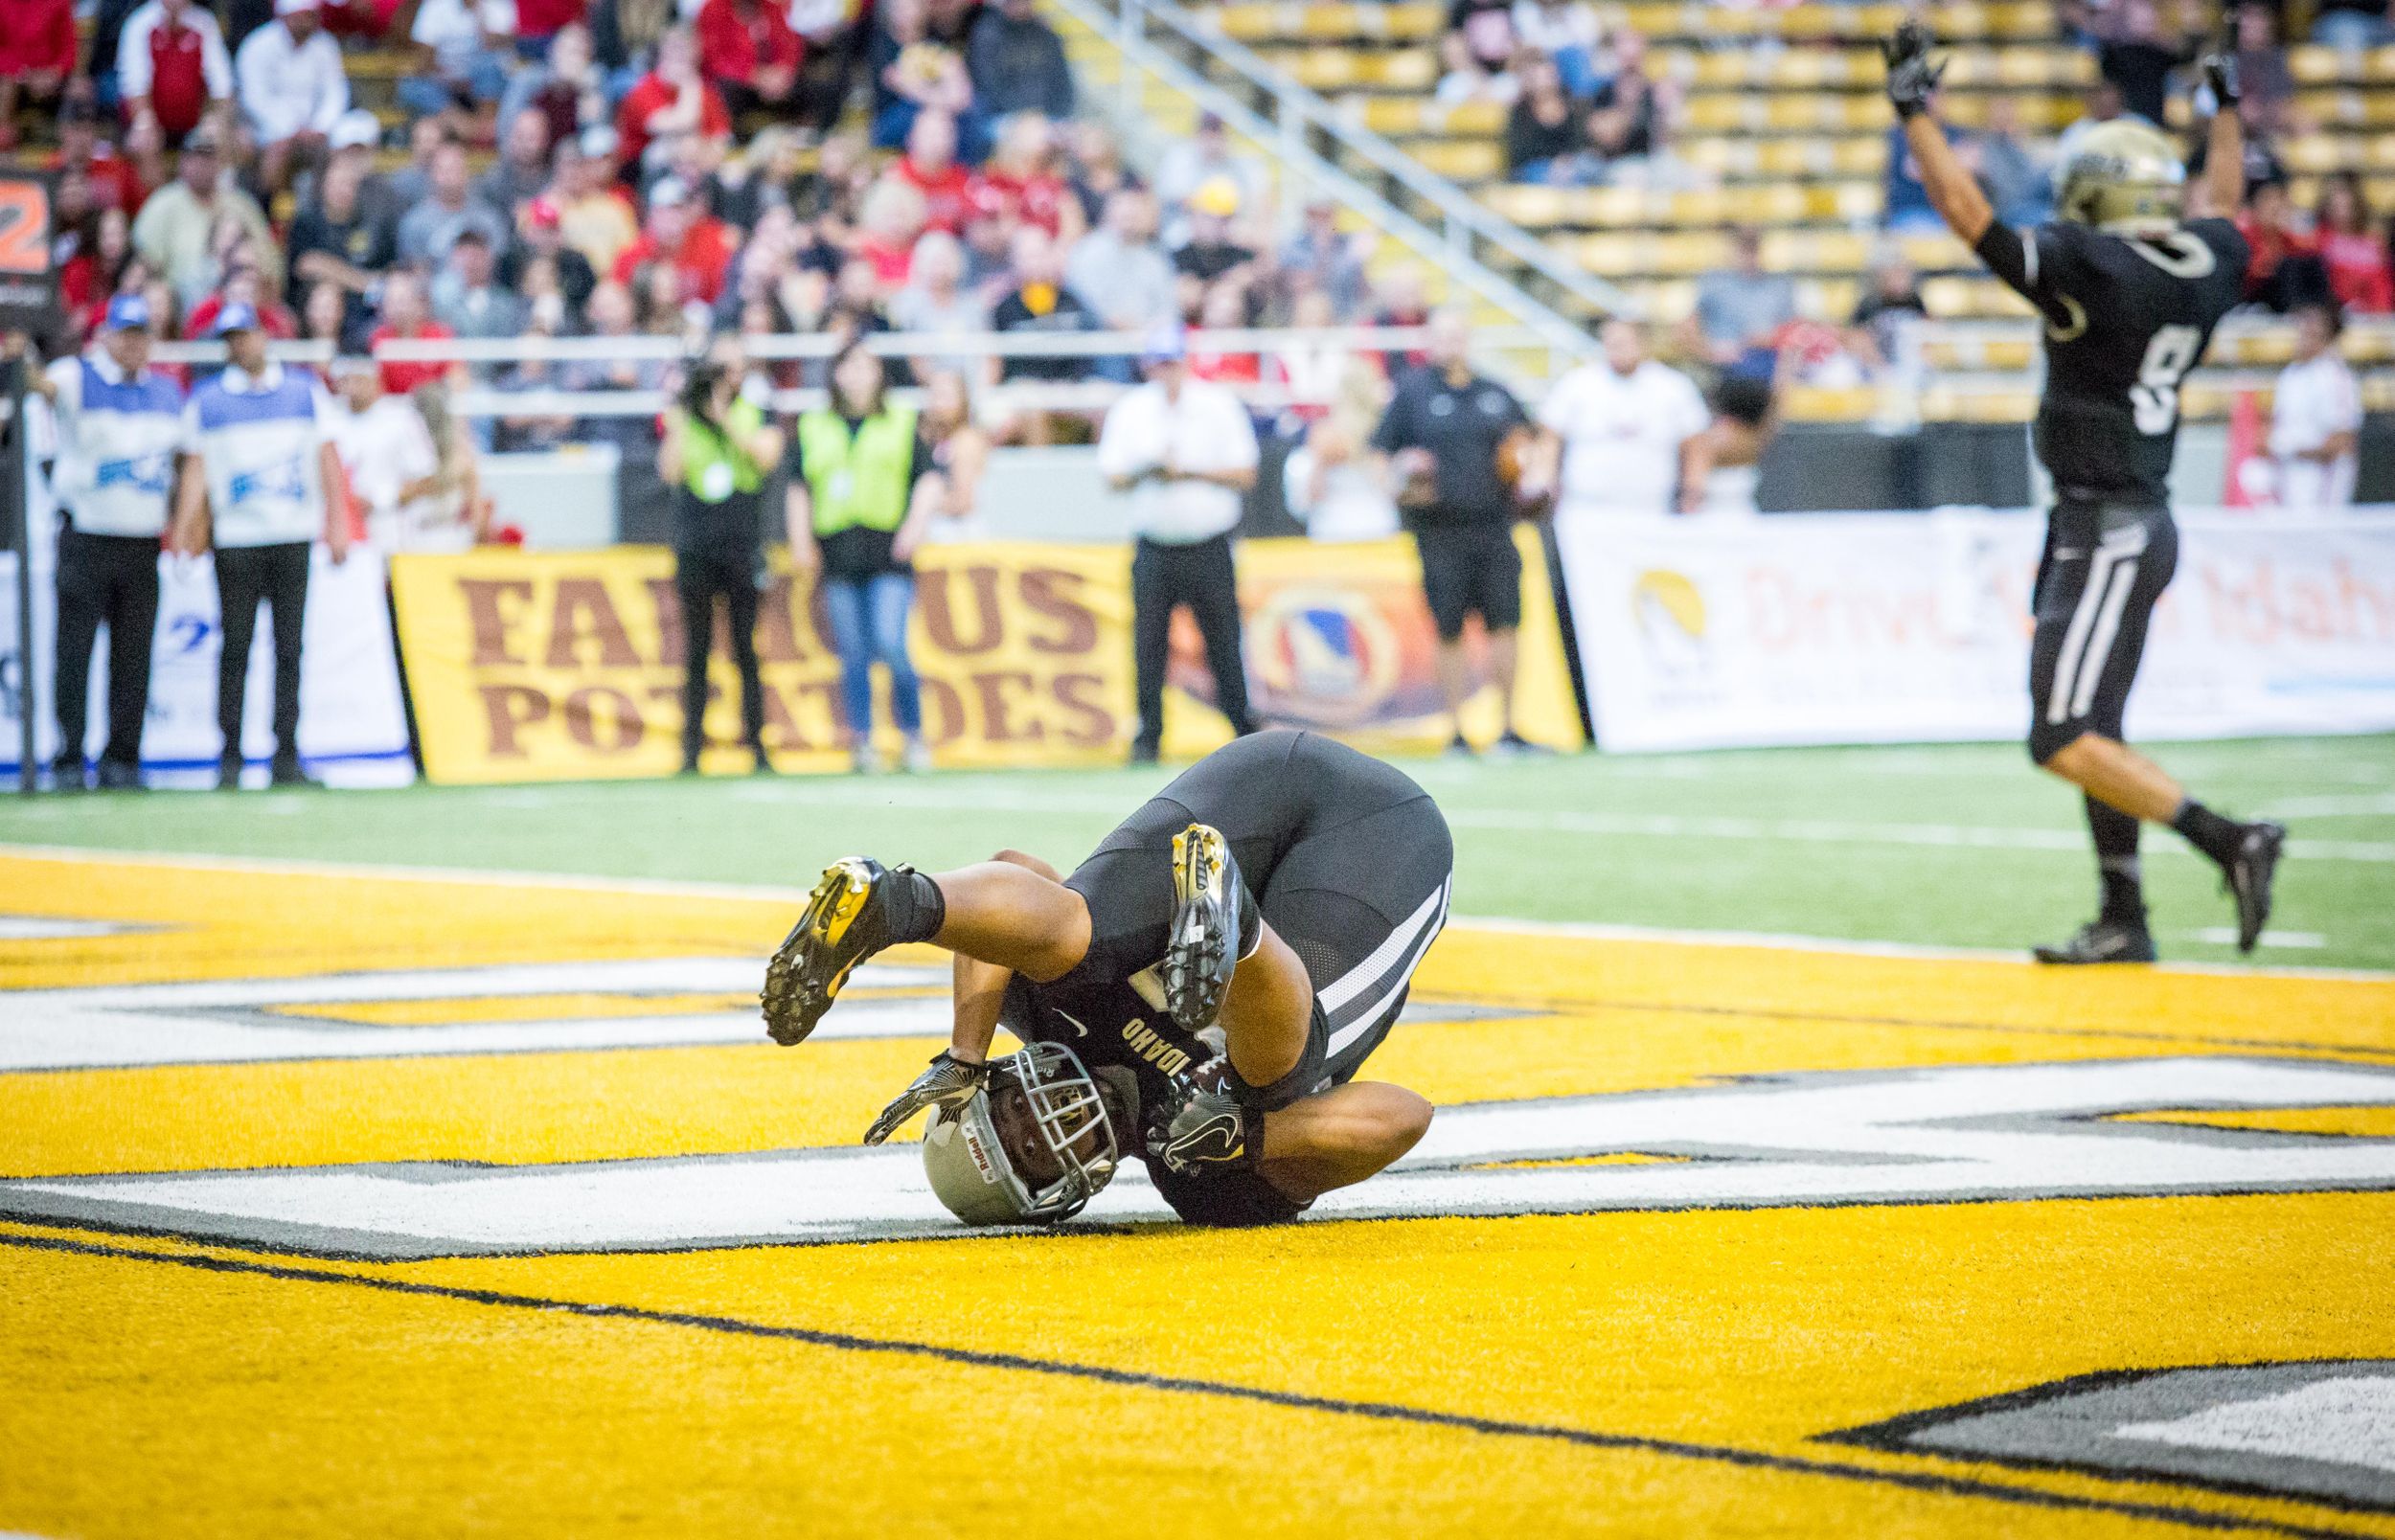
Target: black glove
2220 73
1912 75
949 1083
1205 1124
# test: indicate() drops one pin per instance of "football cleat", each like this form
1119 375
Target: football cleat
2103 941
1204 945
2250 874
845 923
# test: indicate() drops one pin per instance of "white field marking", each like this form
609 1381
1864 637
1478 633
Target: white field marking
1953 1133
2226 935
2333 807
1776 942
673 888
2347 1421
229 1021
52 928
1825 831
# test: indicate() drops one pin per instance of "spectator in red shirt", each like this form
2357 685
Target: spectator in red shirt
887 228
748 50
171 66
240 286
931 168
2285 270
538 21
672 98
1225 307
88 279
36 57
682 236
115 182
1020 185
2358 273
407 318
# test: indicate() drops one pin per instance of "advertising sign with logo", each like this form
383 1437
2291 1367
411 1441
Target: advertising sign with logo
532 665
1873 628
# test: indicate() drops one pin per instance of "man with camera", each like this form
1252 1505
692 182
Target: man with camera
720 449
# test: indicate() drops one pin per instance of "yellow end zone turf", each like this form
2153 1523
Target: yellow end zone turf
365 1054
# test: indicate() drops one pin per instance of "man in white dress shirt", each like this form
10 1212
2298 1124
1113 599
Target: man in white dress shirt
1185 451
2316 418
293 88
1631 432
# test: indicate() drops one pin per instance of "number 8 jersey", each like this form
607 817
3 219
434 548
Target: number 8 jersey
2127 316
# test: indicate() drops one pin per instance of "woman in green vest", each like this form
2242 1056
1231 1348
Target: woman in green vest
862 489
717 453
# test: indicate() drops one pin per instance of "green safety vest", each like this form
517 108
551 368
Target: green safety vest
711 466
859 481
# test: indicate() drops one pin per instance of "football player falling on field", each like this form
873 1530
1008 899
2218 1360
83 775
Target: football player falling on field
1200 991
2130 285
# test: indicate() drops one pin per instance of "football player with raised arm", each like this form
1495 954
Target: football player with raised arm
2130 285
1200 991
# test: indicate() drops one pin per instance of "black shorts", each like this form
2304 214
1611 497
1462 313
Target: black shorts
1349 861
1471 569
2106 565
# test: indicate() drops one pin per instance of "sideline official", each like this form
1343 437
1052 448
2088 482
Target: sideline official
264 484
718 451
120 428
1442 431
1185 451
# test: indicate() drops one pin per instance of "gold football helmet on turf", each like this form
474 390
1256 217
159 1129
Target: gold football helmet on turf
2123 177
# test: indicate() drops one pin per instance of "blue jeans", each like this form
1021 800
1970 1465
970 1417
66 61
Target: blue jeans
868 618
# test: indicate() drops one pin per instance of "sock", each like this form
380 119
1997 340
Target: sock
2208 831
2117 866
918 908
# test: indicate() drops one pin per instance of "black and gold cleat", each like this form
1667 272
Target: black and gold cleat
845 922
2102 941
1211 917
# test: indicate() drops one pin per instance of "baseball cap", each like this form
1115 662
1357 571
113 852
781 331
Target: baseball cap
1165 345
128 312
235 317
356 130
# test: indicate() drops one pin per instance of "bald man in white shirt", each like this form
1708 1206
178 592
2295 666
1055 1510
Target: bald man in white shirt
2316 418
1631 434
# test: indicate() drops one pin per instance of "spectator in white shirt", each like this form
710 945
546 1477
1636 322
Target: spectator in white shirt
1631 432
394 467
293 88
1185 451
2316 418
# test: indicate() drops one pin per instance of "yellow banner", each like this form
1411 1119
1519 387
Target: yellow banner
556 665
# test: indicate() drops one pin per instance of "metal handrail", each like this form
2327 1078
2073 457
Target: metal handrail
1457 208
1556 332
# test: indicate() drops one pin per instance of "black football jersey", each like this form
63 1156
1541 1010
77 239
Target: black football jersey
2126 318
1113 1023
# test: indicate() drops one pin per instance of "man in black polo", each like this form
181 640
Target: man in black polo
1442 433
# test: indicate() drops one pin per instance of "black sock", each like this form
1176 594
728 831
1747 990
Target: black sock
918 908
2118 868
2208 831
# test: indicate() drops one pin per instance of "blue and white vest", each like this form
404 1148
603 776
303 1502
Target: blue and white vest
117 443
259 447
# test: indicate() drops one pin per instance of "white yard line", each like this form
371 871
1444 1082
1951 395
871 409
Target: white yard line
1592 930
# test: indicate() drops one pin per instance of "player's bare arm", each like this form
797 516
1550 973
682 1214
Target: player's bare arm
1912 86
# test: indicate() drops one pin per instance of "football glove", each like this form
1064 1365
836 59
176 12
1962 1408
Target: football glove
1912 75
948 1084
2220 73
1204 1124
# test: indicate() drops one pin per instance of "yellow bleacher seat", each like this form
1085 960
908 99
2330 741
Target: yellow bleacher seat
2314 65
1461 160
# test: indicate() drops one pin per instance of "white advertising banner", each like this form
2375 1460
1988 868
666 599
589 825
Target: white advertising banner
352 729
1894 628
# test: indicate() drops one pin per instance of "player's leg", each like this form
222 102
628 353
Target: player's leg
241 587
1447 599
1152 642
1213 599
2092 616
1010 912
83 588
1501 606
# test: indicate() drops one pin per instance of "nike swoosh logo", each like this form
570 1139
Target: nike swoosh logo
1074 1022
1223 1132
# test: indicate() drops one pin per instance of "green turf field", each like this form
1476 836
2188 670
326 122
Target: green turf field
1961 845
